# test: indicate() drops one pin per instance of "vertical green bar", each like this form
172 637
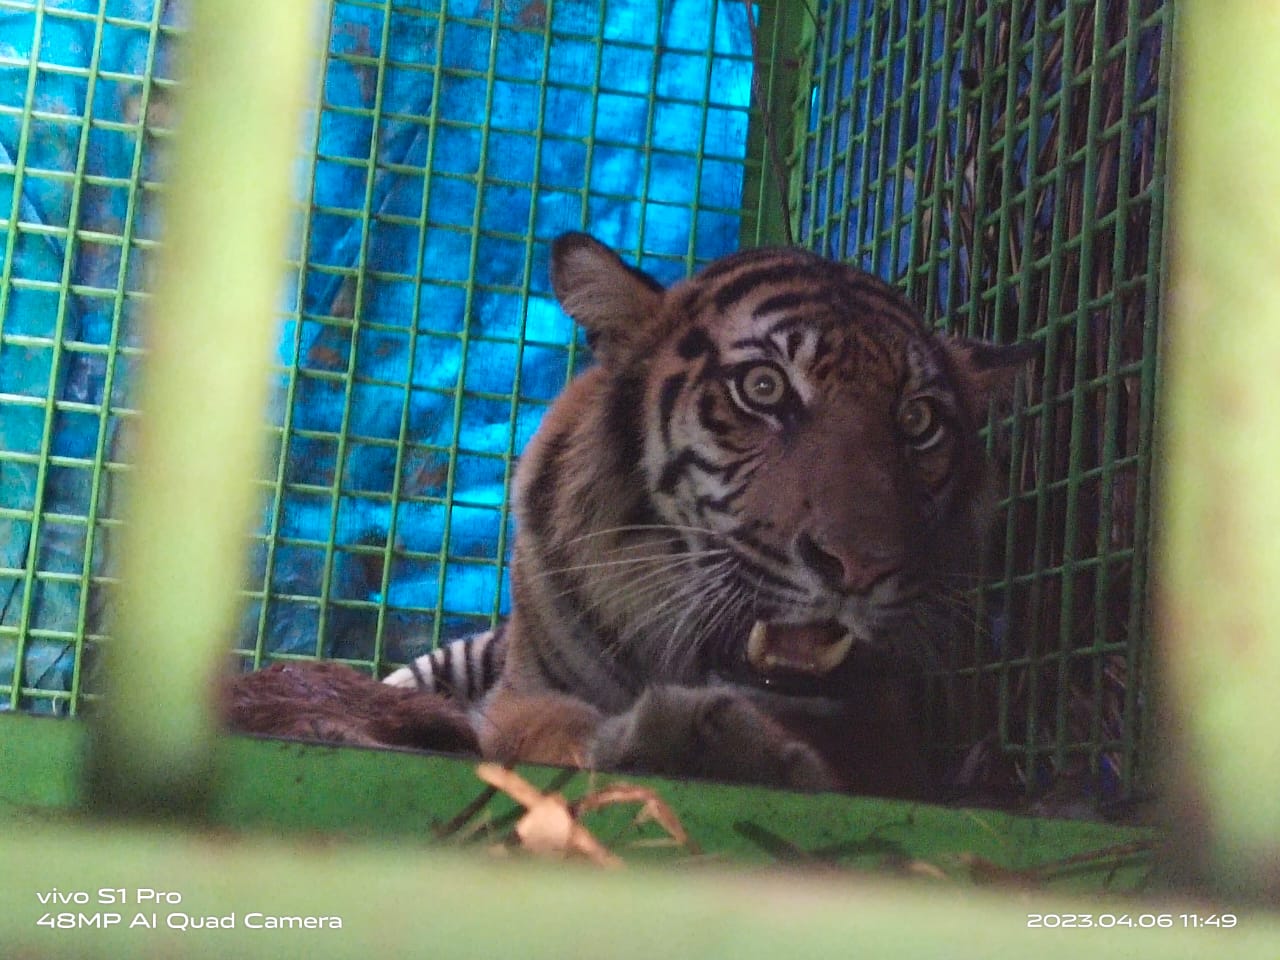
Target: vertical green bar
1219 609
202 397
102 479
781 104
1139 660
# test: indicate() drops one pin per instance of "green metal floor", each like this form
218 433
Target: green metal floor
304 831
282 786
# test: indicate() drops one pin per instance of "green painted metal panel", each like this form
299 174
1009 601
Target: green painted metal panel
406 797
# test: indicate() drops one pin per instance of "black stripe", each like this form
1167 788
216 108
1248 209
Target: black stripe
741 259
488 657
859 283
793 320
419 677
641 513
821 350
749 280
667 396
623 405
624 432
886 303
794 339
764 574
696 343
553 678
674 469
720 504
730 470
688 302
540 494
551 663
680 464
463 666
789 301
618 660
883 354
442 669
707 417
770 553
567 588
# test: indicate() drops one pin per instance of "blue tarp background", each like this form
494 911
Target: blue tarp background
587 167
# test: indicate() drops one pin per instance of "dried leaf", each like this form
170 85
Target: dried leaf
549 827
652 807
509 782
984 871
922 868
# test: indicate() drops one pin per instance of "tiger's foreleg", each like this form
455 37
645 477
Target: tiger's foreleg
711 732
677 731
536 728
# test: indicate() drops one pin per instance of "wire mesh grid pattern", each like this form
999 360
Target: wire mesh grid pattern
1006 162
77 93
1003 160
451 141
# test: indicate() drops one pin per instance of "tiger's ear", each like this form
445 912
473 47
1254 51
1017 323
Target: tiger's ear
611 300
985 371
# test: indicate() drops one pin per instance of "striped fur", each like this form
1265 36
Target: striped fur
778 441
465 669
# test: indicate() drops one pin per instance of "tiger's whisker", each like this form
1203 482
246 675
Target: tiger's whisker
639 527
629 582
630 561
690 589
698 628
696 587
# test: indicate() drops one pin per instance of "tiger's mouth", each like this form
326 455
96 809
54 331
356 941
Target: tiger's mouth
814 650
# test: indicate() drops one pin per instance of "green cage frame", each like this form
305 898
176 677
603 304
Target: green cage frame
1069 684
1227 839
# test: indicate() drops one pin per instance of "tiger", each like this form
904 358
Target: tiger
735 530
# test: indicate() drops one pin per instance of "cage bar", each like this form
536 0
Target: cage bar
1219 632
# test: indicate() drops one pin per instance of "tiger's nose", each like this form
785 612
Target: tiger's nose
845 570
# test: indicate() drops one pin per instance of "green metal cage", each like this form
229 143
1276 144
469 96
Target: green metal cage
1003 161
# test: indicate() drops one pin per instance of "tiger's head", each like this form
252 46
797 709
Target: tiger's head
800 429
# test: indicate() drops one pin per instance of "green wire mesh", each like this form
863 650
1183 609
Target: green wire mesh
514 85
94 274
1005 161
451 140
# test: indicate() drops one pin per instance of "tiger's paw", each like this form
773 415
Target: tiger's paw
707 732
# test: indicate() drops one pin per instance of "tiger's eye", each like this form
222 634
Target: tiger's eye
919 422
763 385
